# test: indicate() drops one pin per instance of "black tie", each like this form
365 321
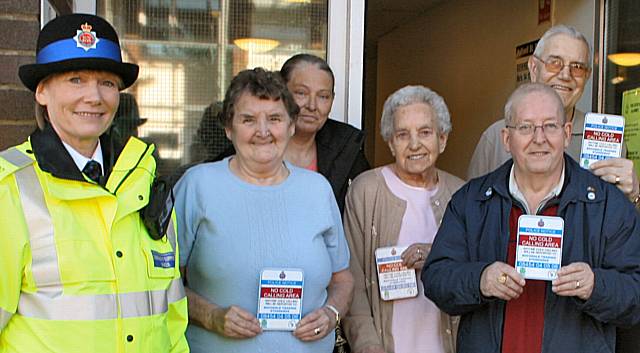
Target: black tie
92 170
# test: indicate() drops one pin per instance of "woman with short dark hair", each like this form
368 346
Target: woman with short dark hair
254 213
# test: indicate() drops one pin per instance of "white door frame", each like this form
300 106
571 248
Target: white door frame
345 55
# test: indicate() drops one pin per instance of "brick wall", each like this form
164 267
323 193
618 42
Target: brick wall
19 26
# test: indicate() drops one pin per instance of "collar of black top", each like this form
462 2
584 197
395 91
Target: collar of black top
77 42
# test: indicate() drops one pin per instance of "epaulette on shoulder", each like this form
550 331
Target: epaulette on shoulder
12 160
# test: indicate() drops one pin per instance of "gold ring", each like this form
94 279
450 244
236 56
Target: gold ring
617 179
316 331
502 279
419 254
577 284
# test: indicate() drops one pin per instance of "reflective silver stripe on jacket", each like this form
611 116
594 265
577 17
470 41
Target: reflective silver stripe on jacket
100 307
148 303
67 307
48 302
15 157
171 235
4 318
44 265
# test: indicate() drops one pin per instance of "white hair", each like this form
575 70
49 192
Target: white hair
526 89
566 30
410 95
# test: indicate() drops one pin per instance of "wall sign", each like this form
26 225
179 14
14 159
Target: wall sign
523 52
544 11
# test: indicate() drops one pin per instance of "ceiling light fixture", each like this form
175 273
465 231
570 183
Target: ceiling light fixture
256 45
625 59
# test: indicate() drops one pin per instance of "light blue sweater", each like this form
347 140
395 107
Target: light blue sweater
229 230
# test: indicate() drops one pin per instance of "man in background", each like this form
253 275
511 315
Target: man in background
562 61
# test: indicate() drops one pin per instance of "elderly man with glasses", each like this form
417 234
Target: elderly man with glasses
561 61
587 243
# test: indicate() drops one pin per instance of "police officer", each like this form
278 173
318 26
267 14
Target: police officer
80 272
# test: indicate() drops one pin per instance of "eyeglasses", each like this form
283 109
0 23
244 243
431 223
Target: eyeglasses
526 129
555 64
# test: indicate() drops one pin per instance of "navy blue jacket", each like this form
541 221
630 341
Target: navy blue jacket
601 229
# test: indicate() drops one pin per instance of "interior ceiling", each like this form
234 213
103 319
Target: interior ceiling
382 16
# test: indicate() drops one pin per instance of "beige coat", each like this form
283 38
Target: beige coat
373 217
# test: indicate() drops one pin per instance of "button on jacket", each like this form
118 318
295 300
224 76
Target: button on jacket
79 271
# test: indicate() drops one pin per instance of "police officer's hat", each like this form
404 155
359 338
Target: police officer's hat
77 42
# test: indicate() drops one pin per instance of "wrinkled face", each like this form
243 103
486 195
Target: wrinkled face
416 142
260 130
80 104
540 153
570 50
312 89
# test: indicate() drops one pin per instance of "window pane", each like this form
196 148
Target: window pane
188 51
622 35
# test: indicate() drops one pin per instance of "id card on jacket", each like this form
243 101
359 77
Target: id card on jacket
539 247
280 298
395 280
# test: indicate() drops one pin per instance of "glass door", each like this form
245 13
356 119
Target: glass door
188 51
620 59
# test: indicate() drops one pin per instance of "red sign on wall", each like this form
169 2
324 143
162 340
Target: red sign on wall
544 11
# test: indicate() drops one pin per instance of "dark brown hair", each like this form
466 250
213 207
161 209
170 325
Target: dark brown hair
259 83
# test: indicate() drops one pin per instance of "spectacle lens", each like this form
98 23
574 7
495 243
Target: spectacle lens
556 65
528 129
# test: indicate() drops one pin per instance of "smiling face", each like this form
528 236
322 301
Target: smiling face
570 50
80 104
416 143
260 130
539 154
312 89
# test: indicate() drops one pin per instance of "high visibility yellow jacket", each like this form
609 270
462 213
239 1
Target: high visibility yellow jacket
79 272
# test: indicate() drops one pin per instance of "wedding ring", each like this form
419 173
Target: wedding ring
502 279
419 254
316 331
577 284
617 179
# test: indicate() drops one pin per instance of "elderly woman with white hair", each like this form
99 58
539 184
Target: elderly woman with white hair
400 206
